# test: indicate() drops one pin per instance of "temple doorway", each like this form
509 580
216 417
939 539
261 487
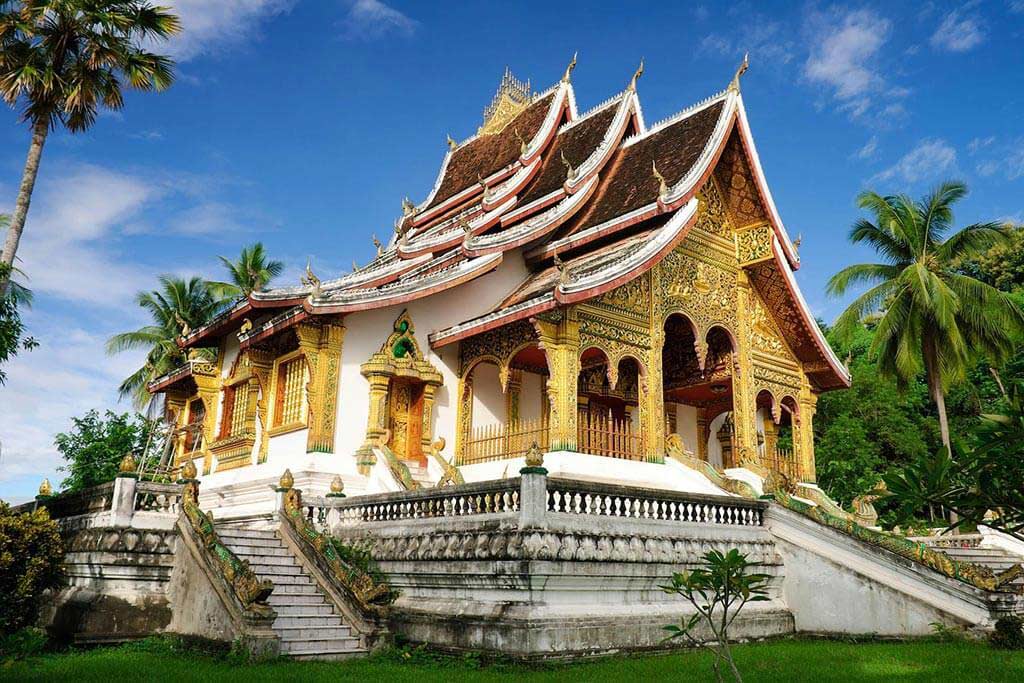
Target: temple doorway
405 419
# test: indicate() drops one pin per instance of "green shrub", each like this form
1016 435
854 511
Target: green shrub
1009 634
22 643
31 552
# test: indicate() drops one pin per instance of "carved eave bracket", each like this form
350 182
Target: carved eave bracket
754 244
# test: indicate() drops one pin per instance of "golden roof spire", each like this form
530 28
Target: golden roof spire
636 75
512 97
734 85
568 69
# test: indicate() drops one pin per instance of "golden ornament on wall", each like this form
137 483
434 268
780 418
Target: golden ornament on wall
286 481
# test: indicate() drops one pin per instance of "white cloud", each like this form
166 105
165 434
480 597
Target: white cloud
371 19
930 159
958 33
66 376
1017 6
212 26
766 41
846 47
977 144
869 149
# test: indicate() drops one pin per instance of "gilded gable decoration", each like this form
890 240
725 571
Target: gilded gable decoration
512 97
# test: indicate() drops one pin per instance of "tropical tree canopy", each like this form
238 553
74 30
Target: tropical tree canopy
177 307
250 273
61 60
930 316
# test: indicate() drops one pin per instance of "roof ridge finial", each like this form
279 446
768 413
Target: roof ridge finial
523 145
563 270
570 172
568 69
734 85
451 143
662 184
636 75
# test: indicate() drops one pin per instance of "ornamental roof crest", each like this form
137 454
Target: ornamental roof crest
512 97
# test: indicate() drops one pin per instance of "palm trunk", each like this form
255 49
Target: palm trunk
28 182
931 369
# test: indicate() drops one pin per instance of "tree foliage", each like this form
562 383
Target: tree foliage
95 445
12 329
176 308
985 475
31 553
718 592
862 432
249 273
931 318
61 61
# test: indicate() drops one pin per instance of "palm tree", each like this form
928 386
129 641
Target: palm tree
931 317
61 60
250 273
177 307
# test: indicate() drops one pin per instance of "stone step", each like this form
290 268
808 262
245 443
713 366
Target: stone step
282 601
305 634
327 655
296 590
261 567
248 549
287 579
306 620
320 646
300 610
268 560
236 532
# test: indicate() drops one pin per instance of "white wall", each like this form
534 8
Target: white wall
488 398
367 330
531 396
686 426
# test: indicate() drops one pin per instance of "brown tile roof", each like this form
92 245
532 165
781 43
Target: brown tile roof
490 153
629 182
577 143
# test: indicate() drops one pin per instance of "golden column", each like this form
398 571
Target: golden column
803 432
654 397
561 343
262 365
207 379
174 404
744 406
376 421
321 345
464 428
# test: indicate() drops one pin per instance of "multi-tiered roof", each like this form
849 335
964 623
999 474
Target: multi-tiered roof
593 200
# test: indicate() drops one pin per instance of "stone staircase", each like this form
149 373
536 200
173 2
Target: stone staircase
307 623
420 475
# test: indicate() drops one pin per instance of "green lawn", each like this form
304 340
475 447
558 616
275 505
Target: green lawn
793 660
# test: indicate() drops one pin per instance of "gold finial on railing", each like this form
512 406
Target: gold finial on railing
45 490
128 464
534 461
286 481
337 487
188 471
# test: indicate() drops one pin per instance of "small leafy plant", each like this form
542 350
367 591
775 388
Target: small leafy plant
718 591
1009 634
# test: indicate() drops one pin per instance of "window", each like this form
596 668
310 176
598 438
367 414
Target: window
194 426
236 404
290 401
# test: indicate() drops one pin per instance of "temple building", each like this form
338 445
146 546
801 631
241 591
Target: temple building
619 294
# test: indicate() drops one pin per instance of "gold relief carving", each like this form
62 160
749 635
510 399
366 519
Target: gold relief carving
704 292
208 384
763 333
633 298
712 217
512 97
754 244
500 343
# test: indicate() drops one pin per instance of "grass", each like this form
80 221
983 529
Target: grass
821 661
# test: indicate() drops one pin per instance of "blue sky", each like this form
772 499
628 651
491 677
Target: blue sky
302 123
